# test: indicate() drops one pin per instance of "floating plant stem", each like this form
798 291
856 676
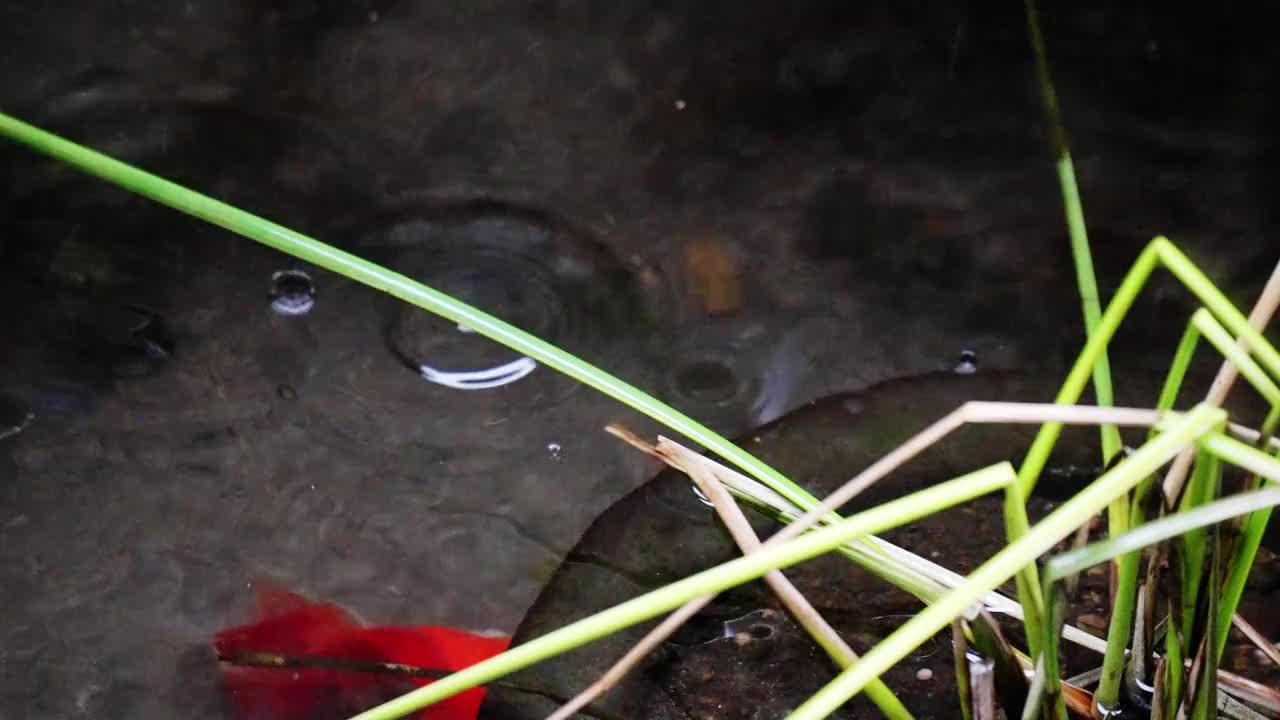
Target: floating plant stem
343 263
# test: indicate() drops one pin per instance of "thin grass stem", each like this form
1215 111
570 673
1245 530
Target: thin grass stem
1006 563
343 263
714 580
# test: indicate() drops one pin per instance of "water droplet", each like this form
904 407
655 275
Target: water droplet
292 293
968 364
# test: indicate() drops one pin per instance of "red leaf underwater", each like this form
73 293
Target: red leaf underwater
287 624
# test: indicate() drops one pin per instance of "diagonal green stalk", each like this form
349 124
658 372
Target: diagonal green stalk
317 253
1218 336
1006 563
714 580
870 558
1165 528
404 288
1168 396
1158 252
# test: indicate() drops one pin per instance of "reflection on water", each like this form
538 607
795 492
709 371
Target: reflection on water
523 267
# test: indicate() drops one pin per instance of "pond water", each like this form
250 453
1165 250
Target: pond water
737 209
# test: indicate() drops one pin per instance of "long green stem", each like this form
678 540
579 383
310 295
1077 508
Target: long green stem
1004 564
1158 251
1074 208
317 253
1167 527
1168 396
1118 631
335 260
1231 350
1118 511
1254 527
1043 444
1127 566
1027 580
715 580
1171 526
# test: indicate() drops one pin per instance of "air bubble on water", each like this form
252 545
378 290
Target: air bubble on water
968 364
292 293
554 450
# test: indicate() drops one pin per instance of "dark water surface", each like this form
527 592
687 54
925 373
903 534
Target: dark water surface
739 208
